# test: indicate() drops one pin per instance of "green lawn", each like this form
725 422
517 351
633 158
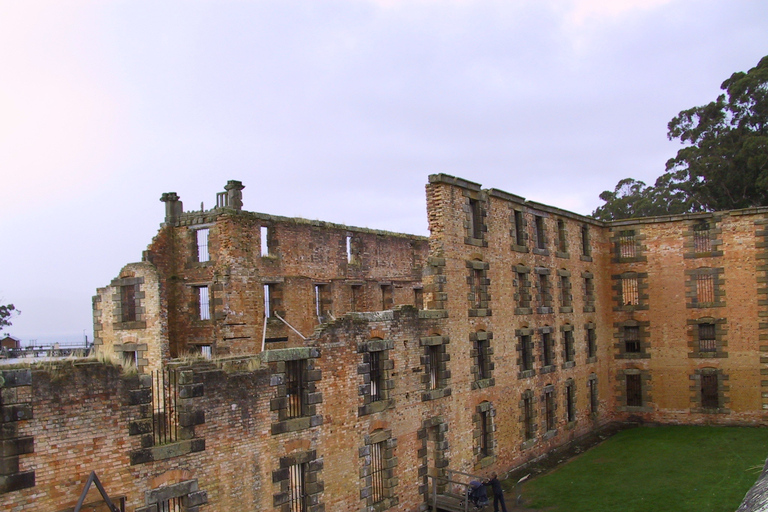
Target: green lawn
649 469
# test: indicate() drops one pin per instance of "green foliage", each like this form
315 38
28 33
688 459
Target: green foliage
724 164
5 315
681 468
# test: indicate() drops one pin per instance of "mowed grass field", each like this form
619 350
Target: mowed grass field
650 469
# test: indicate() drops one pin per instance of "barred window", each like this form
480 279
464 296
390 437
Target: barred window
626 244
593 403
295 387
570 406
378 471
702 240
705 288
549 409
482 360
433 356
203 303
568 345
707 339
629 291
297 487
710 398
631 339
634 390
201 241
485 433
477 287
376 375
546 349
526 352
591 342
528 426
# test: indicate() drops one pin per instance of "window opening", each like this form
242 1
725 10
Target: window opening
297 487
591 342
171 505
634 390
565 291
627 248
129 359
128 302
585 250
485 433
201 237
546 346
593 396
705 288
631 339
709 396
433 355
482 359
349 249
570 410
561 234
702 241
528 417
707 338
519 233
165 396
569 352
205 351
387 300
264 232
268 301
295 386
375 374
524 297
544 291
203 303
477 280
322 302
549 409
418 298
540 240
527 353
630 295
476 218
378 471
356 294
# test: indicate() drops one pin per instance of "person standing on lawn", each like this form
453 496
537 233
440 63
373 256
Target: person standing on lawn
498 493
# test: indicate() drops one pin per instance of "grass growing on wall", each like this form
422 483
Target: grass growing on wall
648 469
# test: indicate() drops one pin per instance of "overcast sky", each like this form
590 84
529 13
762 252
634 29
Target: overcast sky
331 110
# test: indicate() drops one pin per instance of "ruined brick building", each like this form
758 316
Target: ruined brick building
340 369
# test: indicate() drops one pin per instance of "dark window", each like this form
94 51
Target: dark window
418 298
476 218
568 342
565 291
626 244
593 404
631 339
323 302
297 487
356 292
387 299
707 339
433 355
562 246
523 294
165 419
546 349
482 360
702 241
709 396
128 302
544 293
529 431
634 390
585 250
526 352
549 409
541 241
171 505
519 228
295 388
477 286
376 375
378 471
570 408
485 433
591 342
629 292
589 292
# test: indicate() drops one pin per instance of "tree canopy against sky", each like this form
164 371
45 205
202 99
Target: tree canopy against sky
6 311
724 164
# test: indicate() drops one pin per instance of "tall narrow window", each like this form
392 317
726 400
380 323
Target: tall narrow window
297 487
356 297
568 350
378 471
593 403
702 241
546 349
482 360
205 351
634 390
203 303
130 360
201 237
418 298
295 386
626 244
526 352
710 398
630 295
591 342
585 249
375 375
519 229
268 301
631 339
476 218
545 296
171 505
349 248
705 288
562 246
589 294
323 302
541 241
707 338
485 433
549 409
528 426
523 291
264 231
565 291
570 405
433 356
477 287
128 302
